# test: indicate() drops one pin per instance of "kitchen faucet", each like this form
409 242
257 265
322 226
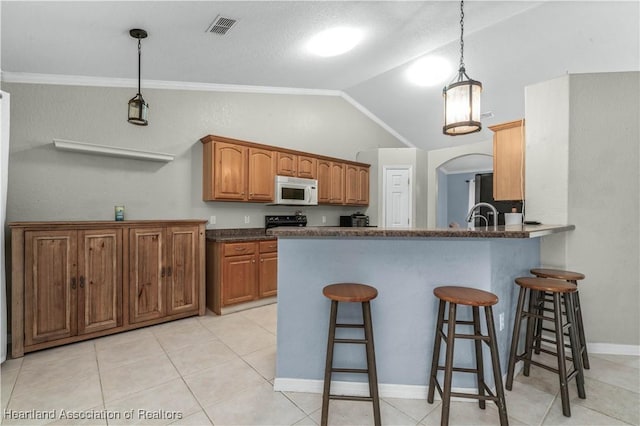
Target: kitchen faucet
493 210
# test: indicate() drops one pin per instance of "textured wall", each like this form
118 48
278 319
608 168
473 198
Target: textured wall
45 184
582 168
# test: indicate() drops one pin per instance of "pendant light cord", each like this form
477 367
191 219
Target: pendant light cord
139 54
461 35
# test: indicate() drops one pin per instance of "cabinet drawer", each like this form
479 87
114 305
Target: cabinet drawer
268 246
234 249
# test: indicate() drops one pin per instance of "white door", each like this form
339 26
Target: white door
397 200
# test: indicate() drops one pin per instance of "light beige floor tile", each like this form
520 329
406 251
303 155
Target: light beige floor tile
201 356
162 404
61 352
12 364
67 395
307 421
264 316
137 376
126 337
307 402
49 371
347 413
226 324
173 326
628 360
248 339
580 416
267 408
540 379
417 409
211 386
113 356
96 416
614 373
609 400
175 339
196 419
526 403
8 380
263 361
468 413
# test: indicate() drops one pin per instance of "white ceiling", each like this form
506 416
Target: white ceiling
508 45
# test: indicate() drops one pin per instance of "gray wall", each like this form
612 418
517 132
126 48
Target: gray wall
583 134
458 197
45 184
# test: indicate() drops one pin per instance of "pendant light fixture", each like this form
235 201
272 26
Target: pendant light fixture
138 108
462 97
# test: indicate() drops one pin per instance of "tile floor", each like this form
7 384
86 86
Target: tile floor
220 370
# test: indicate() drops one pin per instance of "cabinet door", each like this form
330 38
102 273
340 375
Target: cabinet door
324 181
182 275
262 171
230 171
337 183
268 273
99 280
238 279
352 184
146 274
50 285
508 161
307 167
363 179
287 164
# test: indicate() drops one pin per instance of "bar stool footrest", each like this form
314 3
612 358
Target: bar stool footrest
351 398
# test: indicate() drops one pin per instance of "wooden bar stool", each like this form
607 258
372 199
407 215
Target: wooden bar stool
475 298
350 292
561 291
572 277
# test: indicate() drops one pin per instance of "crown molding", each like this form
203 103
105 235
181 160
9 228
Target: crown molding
71 80
79 80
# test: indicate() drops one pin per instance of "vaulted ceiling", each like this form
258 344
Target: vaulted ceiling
508 45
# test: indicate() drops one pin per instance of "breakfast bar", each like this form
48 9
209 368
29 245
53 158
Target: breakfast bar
405 265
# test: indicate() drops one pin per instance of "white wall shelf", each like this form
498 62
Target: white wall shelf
111 151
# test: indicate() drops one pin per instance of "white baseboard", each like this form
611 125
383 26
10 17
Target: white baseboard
385 390
613 349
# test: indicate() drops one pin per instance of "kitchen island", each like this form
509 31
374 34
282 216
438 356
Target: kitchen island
405 265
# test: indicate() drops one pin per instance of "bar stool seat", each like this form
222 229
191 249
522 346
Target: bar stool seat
572 277
560 290
351 293
474 298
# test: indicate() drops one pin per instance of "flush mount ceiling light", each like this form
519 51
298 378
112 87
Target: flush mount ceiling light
334 41
138 108
429 71
462 97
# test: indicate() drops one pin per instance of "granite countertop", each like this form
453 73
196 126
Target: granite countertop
510 231
238 235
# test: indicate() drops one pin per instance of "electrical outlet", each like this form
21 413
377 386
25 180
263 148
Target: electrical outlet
212 220
324 219
247 219
501 321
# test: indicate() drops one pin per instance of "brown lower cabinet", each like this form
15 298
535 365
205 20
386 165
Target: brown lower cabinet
72 281
239 272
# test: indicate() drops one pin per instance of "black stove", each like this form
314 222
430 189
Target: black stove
285 220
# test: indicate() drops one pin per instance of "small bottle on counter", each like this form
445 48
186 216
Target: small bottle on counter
119 213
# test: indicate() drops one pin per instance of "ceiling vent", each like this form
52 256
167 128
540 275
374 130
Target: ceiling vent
221 25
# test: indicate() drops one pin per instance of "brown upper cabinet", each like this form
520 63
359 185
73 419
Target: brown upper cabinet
235 170
296 165
508 160
356 185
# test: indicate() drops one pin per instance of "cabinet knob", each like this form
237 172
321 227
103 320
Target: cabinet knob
253 261
73 283
261 260
81 281
162 272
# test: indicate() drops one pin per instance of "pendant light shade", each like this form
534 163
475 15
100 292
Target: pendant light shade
462 97
138 108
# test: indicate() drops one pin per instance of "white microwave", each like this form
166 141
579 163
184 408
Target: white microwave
296 191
